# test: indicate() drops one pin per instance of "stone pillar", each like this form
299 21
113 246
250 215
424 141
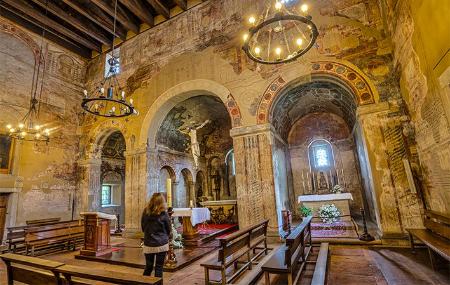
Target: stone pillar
256 199
397 207
175 196
136 186
89 195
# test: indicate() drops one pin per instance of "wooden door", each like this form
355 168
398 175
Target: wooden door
3 209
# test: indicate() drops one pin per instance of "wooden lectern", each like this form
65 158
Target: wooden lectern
96 233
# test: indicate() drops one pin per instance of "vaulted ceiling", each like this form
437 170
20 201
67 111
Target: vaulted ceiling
84 26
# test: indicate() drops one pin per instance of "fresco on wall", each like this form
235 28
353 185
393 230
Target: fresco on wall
213 137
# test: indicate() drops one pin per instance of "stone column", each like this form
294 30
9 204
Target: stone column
397 207
89 195
256 199
136 186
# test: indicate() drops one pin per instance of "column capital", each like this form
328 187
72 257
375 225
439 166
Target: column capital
252 130
371 109
137 151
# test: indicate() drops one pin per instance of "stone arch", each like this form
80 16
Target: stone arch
171 172
97 136
188 179
178 93
11 29
341 73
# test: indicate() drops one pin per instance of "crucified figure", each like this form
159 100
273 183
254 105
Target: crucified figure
192 132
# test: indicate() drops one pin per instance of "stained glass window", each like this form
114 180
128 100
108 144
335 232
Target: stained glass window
107 66
321 155
106 195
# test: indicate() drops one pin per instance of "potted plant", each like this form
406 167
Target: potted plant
305 211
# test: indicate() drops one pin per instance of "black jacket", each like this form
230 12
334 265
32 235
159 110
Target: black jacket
156 229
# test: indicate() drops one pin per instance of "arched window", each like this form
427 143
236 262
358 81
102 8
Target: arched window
321 155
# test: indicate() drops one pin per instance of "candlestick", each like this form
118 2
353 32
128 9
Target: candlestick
169 192
191 204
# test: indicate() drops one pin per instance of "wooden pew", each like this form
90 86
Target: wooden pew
436 235
67 234
320 271
38 271
42 221
235 247
290 259
70 271
16 235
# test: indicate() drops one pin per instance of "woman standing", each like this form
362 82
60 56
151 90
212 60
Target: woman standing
156 227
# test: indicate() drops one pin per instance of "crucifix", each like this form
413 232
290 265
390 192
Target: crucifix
191 131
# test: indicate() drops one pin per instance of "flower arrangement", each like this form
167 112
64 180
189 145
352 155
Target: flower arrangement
305 211
337 189
329 213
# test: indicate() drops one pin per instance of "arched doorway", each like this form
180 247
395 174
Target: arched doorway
112 177
186 193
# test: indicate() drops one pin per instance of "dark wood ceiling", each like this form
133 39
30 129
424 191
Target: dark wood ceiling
86 27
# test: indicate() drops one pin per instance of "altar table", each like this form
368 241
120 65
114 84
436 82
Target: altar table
191 217
341 201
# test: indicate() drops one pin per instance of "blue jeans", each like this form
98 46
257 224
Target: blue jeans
150 260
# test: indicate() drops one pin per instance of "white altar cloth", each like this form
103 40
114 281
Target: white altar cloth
326 197
198 215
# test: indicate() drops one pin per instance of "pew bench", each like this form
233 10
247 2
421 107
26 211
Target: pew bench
70 271
29 270
238 248
436 236
290 259
67 234
16 235
38 271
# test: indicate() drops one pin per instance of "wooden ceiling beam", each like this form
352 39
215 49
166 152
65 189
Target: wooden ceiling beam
28 23
182 4
43 19
160 8
138 9
76 23
121 15
97 16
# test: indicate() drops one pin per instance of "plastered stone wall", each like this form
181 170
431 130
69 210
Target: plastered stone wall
420 38
43 177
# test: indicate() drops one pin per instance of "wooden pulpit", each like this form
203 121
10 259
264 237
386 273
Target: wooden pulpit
97 239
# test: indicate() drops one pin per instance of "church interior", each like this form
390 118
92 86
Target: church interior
293 141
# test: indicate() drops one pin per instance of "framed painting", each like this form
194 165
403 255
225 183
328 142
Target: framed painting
6 153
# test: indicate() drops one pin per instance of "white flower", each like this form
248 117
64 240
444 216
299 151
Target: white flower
329 213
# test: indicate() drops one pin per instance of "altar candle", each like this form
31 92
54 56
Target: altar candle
191 204
169 192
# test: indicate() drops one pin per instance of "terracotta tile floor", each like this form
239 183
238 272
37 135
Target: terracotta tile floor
348 265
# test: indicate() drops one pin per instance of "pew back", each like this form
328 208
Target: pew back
437 223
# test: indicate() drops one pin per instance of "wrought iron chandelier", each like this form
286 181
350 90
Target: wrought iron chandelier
109 98
280 34
28 129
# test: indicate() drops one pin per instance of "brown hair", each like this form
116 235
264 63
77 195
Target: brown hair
156 205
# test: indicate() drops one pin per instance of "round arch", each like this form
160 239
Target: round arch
178 93
23 36
98 135
343 74
172 174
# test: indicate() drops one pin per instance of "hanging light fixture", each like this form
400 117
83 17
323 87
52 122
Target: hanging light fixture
280 34
109 98
28 129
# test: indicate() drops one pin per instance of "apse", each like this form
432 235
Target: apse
205 177
316 121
